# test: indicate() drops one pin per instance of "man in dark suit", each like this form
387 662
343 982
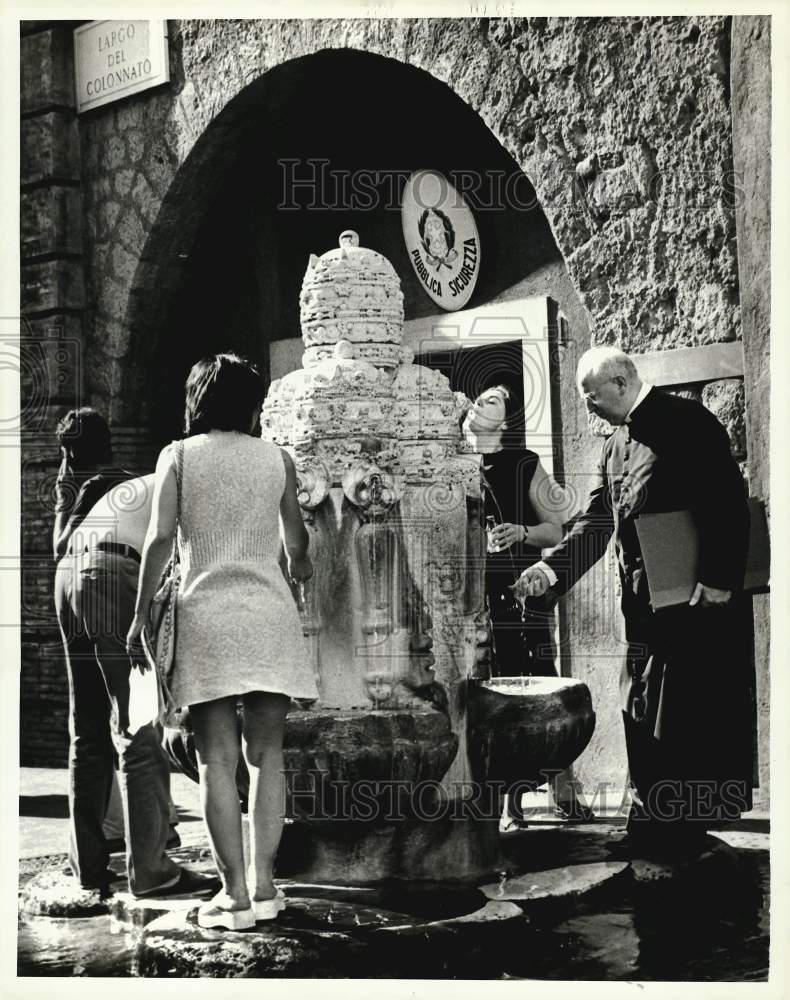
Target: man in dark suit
685 679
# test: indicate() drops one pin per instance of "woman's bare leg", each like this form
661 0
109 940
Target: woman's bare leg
264 729
217 743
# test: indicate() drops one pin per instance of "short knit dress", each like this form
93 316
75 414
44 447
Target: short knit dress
237 625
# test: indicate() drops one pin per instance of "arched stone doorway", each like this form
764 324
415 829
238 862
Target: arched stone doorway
277 175
224 260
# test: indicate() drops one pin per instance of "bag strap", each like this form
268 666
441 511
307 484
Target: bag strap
179 450
179 479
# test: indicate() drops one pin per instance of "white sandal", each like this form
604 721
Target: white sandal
267 909
211 915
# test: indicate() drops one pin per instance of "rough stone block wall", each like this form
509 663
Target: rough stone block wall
751 127
725 399
52 303
622 125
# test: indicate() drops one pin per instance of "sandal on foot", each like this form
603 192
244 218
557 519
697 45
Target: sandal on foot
187 882
267 909
211 914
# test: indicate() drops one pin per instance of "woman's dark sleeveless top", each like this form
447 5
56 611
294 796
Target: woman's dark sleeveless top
507 476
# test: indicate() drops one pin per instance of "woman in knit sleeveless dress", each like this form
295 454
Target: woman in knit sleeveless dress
238 633
238 626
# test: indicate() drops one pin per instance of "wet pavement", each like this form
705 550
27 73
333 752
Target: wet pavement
560 908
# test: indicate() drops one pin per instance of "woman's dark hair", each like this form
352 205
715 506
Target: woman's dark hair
223 393
512 405
85 433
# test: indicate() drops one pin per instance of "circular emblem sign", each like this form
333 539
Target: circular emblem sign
441 239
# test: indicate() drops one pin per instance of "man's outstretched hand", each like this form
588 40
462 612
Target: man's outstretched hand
533 582
709 597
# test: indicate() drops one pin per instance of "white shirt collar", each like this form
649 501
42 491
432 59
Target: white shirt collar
646 387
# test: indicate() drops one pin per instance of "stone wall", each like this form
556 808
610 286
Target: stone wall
622 126
751 127
52 309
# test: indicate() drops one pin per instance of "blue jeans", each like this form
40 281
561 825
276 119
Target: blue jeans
94 596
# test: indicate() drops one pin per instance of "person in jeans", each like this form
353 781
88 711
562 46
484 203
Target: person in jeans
101 520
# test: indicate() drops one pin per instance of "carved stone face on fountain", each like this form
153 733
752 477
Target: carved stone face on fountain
411 656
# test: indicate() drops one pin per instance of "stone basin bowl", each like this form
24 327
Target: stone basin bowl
524 729
339 762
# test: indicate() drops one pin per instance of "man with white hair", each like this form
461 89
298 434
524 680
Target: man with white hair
685 682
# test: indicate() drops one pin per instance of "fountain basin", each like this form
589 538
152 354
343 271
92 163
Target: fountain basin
523 729
341 762
347 764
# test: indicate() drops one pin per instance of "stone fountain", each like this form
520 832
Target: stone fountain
408 731
398 769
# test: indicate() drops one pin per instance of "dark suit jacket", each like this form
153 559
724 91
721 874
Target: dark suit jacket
673 455
686 683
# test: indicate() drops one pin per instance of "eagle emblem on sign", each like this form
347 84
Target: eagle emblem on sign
438 238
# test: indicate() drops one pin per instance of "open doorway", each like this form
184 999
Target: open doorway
511 343
472 370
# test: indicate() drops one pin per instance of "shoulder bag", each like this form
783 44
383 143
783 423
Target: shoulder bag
159 636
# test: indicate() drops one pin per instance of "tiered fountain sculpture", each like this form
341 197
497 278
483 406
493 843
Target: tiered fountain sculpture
383 763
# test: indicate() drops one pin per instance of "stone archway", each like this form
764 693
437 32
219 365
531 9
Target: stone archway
585 115
622 125
231 191
638 105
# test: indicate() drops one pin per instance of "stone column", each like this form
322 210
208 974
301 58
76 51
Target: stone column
51 352
750 84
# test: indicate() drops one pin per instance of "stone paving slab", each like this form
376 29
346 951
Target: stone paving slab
54 894
323 929
744 840
139 912
43 820
554 883
174 945
494 911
